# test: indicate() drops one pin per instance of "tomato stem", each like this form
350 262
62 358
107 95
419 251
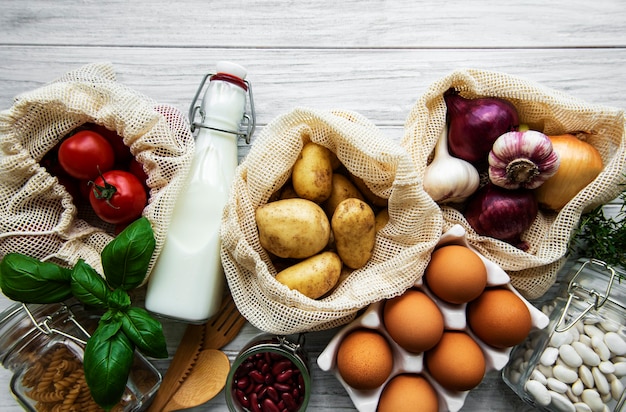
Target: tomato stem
105 192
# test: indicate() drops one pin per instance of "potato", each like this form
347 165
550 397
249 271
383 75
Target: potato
313 277
382 218
292 228
367 192
287 192
342 189
312 173
354 230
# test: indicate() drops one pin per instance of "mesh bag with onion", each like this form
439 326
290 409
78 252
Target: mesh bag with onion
402 249
38 216
533 270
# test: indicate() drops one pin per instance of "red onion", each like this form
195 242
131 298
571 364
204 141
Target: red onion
475 124
502 213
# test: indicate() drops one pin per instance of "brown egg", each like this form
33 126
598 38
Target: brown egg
404 393
413 321
499 318
364 359
457 363
456 274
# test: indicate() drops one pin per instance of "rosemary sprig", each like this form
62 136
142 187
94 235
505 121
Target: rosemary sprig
602 237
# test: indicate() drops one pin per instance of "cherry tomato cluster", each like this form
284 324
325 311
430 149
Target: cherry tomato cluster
95 165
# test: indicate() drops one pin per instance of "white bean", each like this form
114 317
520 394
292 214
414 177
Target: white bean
561 402
601 383
615 343
617 388
538 376
620 368
597 342
593 399
582 407
549 356
578 387
589 357
539 392
610 326
556 385
585 376
570 356
561 338
565 374
606 367
593 331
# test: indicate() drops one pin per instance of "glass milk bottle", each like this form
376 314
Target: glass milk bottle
187 282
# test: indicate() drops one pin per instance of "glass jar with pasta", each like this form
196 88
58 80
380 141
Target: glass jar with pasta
43 346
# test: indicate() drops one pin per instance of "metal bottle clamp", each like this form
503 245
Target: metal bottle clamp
45 325
597 298
248 121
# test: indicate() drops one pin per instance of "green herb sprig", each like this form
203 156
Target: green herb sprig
122 328
602 237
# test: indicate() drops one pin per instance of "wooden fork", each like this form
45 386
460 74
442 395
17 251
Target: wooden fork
222 328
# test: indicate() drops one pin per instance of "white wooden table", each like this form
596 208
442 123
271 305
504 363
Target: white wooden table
372 56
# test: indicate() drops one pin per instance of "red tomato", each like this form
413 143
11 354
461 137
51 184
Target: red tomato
122 152
85 155
136 168
118 197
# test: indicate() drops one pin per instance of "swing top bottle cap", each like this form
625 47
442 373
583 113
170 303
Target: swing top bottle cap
231 68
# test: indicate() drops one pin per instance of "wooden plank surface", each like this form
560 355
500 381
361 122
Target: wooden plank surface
373 57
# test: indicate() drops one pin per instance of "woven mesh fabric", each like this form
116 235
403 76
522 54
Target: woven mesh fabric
544 109
402 248
37 215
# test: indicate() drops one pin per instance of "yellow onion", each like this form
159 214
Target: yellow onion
580 164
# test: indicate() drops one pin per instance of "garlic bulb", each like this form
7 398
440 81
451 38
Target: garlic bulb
448 179
522 160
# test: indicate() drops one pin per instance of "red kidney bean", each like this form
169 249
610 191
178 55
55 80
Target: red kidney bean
269 406
268 382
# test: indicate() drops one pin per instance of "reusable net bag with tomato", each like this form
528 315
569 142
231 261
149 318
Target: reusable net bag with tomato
402 248
534 270
38 216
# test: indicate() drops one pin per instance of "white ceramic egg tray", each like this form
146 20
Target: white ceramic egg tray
406 362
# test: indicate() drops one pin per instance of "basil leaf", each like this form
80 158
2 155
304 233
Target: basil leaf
88 286
107 363
110 323
119 300
145 332
126 258
29 280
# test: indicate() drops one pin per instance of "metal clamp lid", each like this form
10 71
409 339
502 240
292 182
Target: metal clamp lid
46 325
576 289
248 122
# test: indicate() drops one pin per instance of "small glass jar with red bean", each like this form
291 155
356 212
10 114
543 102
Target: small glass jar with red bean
270 374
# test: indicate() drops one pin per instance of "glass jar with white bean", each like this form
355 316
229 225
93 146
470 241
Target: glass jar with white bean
577 363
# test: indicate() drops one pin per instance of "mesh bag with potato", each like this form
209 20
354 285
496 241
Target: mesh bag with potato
402 247
552 112
38 216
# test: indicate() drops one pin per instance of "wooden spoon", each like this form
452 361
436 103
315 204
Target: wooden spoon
206 379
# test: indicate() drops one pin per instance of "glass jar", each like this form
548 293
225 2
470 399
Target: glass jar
43 346
580 357
272 371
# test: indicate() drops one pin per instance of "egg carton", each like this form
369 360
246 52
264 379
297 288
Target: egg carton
407 362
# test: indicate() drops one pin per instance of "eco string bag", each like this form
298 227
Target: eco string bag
38 216
544 109
402 248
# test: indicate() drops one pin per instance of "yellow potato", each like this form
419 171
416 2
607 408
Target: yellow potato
312 173
292 228
287 192
354 230
382 218
367 192
342 189
312 277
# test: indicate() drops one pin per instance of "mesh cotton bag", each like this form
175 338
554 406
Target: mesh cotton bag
37 215
543 109
402 248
